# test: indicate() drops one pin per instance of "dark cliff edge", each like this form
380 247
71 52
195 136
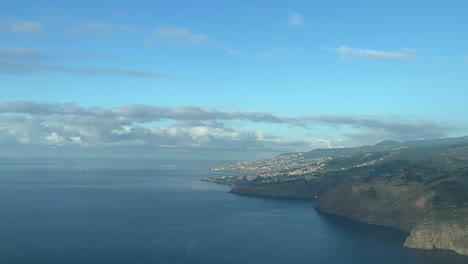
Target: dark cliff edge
418 187
280 190
377 205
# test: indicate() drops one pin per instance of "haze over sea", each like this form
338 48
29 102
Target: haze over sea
146 211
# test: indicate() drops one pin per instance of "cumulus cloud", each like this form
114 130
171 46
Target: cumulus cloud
357 53
296 20
55 138
191 127
14 60
68 124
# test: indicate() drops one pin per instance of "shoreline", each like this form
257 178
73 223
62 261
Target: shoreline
253 191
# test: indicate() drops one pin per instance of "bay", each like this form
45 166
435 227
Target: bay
158 211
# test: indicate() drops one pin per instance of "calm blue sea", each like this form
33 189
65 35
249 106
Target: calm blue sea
142 211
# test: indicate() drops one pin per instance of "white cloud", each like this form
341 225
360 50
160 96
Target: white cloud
357 53
191 127
76 140
55 138
296 20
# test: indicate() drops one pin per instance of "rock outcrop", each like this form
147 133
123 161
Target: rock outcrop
441 231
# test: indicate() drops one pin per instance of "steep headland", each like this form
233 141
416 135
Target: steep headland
420 187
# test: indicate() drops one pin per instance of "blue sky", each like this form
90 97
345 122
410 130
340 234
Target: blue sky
340 67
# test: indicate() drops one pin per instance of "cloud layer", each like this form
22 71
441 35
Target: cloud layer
191 127
27 61
356 53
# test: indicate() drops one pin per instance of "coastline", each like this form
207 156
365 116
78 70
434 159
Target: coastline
417 237
419 187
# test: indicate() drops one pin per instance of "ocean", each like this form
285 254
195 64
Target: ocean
158 211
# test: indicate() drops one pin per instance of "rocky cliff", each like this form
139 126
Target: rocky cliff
441 231
419 187
392 206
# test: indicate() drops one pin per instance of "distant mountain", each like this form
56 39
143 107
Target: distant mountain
420 187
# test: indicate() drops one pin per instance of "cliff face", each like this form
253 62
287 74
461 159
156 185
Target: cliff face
441 231
417 187
405 207
435 215
392 206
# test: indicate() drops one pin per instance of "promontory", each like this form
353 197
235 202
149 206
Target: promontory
420 187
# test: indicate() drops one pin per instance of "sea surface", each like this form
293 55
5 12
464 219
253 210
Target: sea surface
158 211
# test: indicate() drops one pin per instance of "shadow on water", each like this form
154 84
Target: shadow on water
437 256
356 229
389 237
